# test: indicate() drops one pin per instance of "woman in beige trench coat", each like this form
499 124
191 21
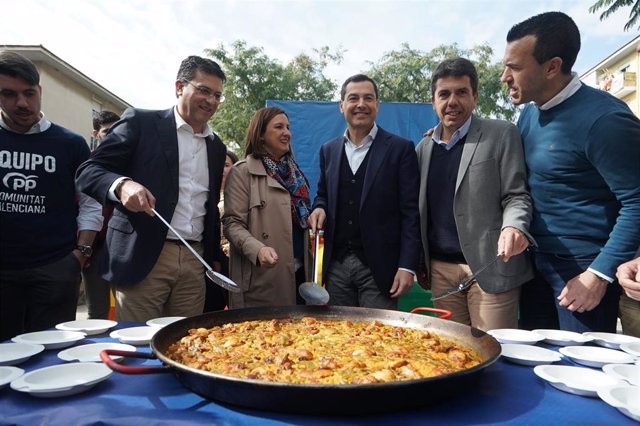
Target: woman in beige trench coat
266 206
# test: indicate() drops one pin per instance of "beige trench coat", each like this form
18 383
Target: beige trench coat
257 213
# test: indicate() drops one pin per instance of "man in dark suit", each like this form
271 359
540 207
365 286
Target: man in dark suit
172 155
474 203
367 201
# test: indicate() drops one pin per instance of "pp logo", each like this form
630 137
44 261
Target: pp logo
18 181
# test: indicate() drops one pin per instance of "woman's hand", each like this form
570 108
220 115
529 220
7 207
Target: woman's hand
267 257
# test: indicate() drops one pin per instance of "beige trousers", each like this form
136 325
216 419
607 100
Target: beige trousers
174 287
473 307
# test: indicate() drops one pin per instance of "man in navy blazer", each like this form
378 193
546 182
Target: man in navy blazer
169 160
367 202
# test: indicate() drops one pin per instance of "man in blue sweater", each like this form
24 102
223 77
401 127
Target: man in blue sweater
582 150
45 236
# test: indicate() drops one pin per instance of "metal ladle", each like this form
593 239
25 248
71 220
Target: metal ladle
217 278
312 292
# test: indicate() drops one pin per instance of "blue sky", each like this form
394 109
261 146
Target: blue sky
134 47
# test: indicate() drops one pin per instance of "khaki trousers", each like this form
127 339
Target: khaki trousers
174 287
473 307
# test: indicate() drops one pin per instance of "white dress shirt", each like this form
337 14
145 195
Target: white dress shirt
193 181
356 153
455 138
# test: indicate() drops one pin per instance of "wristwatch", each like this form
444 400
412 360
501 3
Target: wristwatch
86 251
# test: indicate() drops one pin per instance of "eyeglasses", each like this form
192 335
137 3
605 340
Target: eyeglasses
206 92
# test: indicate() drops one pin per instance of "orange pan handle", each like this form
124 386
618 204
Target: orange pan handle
127 369
441 313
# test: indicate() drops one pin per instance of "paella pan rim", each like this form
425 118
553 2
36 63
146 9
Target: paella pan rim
337 398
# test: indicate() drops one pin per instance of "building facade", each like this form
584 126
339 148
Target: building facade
69 98
618 74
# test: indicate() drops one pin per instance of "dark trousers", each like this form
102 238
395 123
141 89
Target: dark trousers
539 307
350 283
216 297
97 290
38 298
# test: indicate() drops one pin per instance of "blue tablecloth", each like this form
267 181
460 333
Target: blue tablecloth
506 394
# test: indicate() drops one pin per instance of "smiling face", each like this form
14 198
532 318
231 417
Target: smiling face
360 106
453 102
522 73
277 137
20 103
194 107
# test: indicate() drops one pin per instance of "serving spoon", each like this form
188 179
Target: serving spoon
466 283
217 278
312 292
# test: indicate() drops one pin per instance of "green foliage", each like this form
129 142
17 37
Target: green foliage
613 5
253 77
404 75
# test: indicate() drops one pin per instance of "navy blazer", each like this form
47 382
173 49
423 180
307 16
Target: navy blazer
389 215
143 145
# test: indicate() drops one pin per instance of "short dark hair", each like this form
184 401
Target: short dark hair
357 79
455 67
233 156
17 66
556 35
254 142
192 64
104 117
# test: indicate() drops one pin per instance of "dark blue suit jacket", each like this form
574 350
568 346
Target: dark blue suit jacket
143 145
389 216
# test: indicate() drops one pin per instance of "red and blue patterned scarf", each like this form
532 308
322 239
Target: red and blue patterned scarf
287 174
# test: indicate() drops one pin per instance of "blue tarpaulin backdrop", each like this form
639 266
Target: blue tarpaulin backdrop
314 123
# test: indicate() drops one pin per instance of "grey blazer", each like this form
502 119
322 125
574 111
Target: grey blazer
491 193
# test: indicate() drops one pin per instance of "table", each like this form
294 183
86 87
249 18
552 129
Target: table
506 394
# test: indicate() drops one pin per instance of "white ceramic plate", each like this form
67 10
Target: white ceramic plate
91 353
592 356
15 353
611 340
627 372
62 380
624 397
563 337
135 335
8 374
53 339
631 348
161 322
529 354
514 335
576 380
89 326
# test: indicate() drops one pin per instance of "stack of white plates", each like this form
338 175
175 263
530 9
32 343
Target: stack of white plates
62 380
517 336
15 353
592 356
91 353
53 339
135 335
9 374
163 321
611 340
576 380
563 337
529 354
89 326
